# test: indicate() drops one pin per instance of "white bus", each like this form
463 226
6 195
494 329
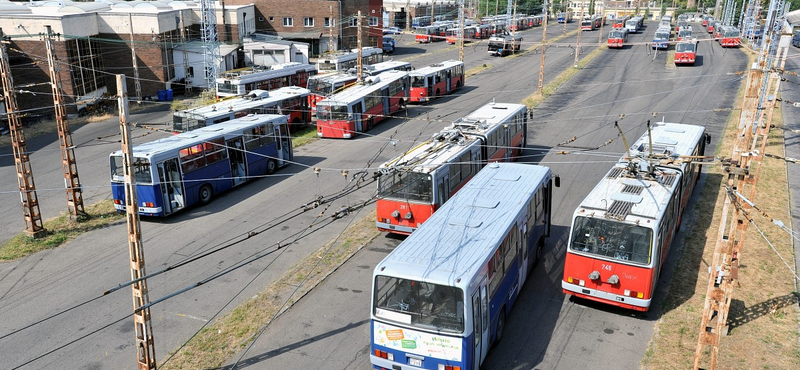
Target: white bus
344 60
239 82
441 298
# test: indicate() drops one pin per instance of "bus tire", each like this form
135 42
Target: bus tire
537 254
458 84
272 165
501 326
205 194
402 104
437 93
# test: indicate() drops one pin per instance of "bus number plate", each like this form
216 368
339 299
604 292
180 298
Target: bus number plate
415 362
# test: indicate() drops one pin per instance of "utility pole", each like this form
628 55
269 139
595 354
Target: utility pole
360 62
145 347
136 81
27 188
71 179
433 10
461 31
743 171
186 79
544 47
561 8
408 15
580 30
514 31
602 22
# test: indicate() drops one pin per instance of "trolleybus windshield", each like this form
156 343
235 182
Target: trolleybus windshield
410 186
141 170
419 304
684 48
612 239
332 112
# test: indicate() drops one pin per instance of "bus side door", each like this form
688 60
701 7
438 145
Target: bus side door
171 185
480 324
284 142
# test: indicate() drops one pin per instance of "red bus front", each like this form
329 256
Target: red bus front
615 42
704 22
612 262
619 24
422 37
401 216
336 121
710 28
684 57
729 42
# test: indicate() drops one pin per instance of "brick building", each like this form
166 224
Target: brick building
93 39
315 21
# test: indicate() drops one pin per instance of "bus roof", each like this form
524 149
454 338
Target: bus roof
432 154
424 71
356 92
233 127
642 198
456 242
258 73
255 98
483 119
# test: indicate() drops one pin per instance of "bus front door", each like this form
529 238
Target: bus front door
359 125
171 186
387 102
237 160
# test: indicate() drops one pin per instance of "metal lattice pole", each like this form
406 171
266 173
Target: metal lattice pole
22 162
145 346
208 30
72 181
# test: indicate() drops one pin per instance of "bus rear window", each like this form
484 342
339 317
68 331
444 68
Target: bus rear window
612 239
419 304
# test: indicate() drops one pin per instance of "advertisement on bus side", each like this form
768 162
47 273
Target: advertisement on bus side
417 342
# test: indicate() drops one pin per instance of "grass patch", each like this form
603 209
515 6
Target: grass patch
206 97
670 59
61 230
763 316
226 336
536 98
304 136
475 70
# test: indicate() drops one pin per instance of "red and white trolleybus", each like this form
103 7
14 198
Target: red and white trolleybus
436 80
417 183
617 38
685 52
621 233
357 109
324 85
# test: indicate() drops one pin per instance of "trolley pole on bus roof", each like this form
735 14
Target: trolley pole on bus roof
461 31
71 179
27 188
743 171
145 347
544 46
359 62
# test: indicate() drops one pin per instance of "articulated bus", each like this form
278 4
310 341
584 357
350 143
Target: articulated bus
430 82
357 109
620 22
417 183
729 37
590 23
183 170
635 24
344 60
685 52
621 233
291 101
564 17
661 39
617 38
428 34
242 81
323 86
505 44
441 298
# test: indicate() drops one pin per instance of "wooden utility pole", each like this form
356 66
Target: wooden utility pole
602 22
743 171
145 347
433 8
514 31
136 82
408 15
544 46
71 179
360 62
580 30
27 188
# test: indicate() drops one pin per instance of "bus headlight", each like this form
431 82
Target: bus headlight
594 275
408 215
396 214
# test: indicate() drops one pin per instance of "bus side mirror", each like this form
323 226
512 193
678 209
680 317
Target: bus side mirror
708 139
557 181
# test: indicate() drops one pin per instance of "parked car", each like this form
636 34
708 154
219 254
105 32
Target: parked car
388 48
392 31
390 40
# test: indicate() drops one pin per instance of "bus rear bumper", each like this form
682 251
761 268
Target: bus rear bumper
606 297
382 363
383 226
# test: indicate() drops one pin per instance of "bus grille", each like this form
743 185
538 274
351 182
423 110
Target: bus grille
619 209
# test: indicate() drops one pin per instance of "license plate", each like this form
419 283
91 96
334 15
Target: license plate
415 362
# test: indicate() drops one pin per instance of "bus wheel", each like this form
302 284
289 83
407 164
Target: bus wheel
437 92
501 326
272 165
206 193
402 104
537 254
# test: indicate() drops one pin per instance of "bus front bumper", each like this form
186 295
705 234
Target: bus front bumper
384 226
606 297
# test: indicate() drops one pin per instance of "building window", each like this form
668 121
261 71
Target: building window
327 21
288 22
308 22
271 19
373 21
354 22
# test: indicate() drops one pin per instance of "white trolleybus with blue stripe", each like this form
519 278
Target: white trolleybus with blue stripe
441 298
